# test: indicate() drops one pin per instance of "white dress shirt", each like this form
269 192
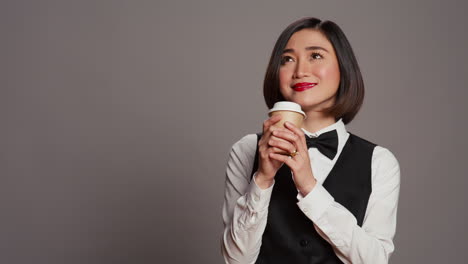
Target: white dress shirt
245 207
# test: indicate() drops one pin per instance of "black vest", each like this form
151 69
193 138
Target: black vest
290 236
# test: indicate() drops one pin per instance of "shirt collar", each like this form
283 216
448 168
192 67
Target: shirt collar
338 125
340 130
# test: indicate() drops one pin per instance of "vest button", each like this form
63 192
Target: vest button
304 243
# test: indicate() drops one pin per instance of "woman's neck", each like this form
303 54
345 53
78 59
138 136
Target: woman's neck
316 121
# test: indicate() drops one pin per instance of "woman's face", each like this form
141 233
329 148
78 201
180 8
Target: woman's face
309 73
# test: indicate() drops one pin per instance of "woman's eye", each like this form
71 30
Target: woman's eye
286 59
316 56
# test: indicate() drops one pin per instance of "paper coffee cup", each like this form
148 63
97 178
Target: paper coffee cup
289 111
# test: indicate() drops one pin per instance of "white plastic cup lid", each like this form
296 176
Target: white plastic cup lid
287 106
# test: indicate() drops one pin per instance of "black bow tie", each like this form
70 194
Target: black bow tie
326 143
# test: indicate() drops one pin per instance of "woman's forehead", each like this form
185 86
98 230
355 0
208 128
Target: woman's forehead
306 38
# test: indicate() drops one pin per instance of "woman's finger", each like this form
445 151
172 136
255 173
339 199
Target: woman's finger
286 135
279 151
269 122
283 158
300 137
282 144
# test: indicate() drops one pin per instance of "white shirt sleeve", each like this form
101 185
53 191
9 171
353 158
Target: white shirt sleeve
373 242
245 207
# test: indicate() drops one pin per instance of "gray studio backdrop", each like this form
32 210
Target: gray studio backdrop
117 118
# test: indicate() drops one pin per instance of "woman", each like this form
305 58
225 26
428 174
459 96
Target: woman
288 199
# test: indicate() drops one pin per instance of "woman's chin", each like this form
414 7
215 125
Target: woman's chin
304 103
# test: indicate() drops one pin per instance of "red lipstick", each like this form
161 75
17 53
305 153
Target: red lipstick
299 87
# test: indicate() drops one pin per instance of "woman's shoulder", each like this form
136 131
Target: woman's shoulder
384 152
385 166
246 144
361 140
381 155
384 155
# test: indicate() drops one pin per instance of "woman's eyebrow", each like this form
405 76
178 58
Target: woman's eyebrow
307 48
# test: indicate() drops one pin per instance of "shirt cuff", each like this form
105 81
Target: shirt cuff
258 199
316 202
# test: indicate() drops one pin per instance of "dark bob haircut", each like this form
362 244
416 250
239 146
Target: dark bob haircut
350 94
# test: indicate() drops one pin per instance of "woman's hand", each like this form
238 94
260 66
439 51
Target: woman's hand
269 144
300 163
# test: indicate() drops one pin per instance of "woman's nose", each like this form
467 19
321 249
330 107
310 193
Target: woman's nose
302 69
